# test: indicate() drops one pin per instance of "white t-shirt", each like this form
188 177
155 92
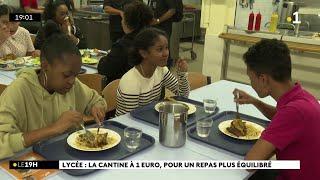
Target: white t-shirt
135 90
18 44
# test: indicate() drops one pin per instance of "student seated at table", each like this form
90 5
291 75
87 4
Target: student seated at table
57 11
20 43
143 83
4 32
293 133
44 103
137 16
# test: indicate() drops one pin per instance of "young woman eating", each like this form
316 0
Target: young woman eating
143 83
44 103
57 11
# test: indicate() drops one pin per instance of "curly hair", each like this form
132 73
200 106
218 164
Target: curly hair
51 8
270 56
137 15
143 41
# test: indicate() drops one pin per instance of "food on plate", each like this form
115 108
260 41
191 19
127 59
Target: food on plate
36 61
316 35
96 50
19 62
2 62
238 128
87 60
10 67
92 141
8 57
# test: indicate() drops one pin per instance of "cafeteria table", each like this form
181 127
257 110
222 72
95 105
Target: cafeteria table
5 76
192 150
5 79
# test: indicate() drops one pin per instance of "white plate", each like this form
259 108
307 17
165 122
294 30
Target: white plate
192 108
251 127
113 139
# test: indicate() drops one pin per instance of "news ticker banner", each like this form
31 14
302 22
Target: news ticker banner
156 164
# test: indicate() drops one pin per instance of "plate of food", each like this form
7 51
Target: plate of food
19 62
241 129
105 139
9 57
35 61
87 60
32 61
11 65
91 52
192 108
99 17
316 35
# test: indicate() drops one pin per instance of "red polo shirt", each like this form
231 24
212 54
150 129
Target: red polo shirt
295 132
29 3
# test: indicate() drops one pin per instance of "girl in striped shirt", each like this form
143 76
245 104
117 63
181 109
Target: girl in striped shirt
143 83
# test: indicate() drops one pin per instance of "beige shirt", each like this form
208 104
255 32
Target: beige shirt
18 44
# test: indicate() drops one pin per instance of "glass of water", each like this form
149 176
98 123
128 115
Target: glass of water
209 105
132 137
204 127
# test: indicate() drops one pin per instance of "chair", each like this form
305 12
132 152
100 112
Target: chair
110 94
198 80
2 87
93 81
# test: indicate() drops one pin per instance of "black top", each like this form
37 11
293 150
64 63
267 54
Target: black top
116 63
40 38
115 20
161 6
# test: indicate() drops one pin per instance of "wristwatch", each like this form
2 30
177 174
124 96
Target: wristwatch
158 21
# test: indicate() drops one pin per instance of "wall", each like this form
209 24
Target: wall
214 15
305 68
310 3
217 13
265 7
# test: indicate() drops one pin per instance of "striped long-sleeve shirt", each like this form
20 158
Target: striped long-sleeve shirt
135 90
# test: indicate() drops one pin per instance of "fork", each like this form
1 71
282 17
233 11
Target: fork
99 125
87 133
237 106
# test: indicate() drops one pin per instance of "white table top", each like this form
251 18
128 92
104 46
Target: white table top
192 150
5 79
12 74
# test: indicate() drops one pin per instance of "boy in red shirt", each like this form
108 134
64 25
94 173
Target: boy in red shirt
293 133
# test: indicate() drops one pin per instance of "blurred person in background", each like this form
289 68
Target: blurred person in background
137 16
115 9
56 12
19 43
